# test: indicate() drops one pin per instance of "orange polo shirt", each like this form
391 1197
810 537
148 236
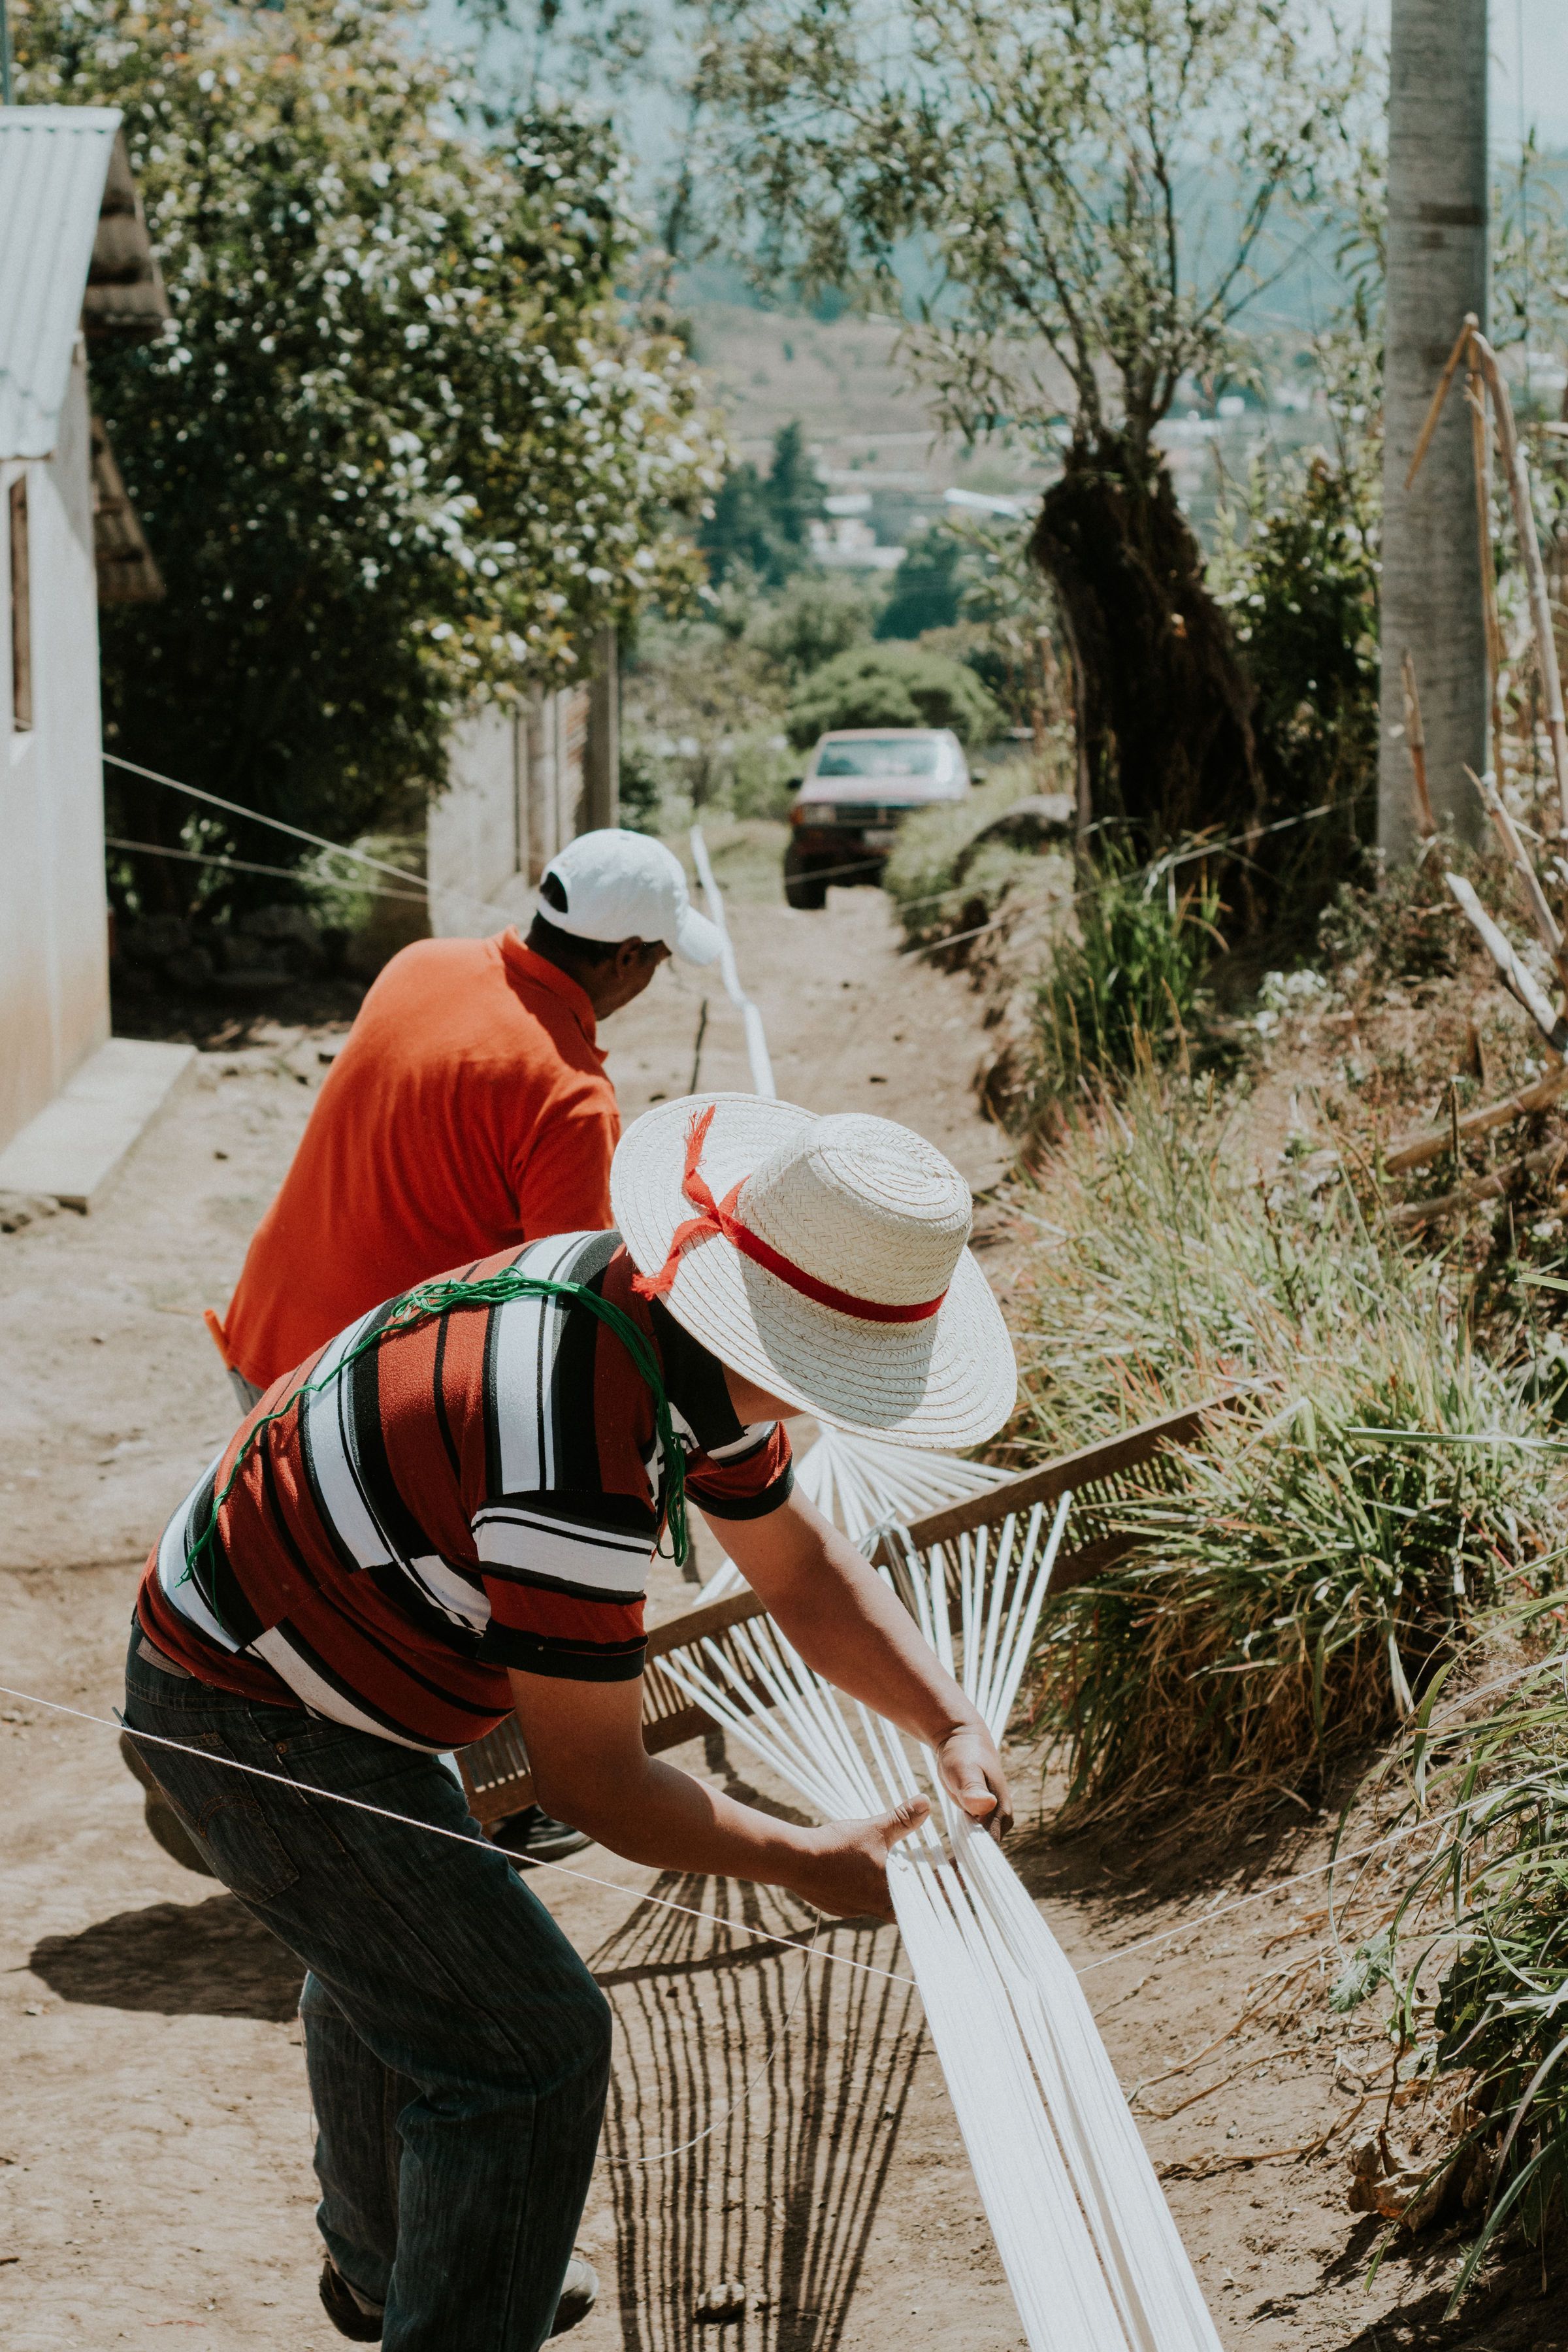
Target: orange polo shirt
467 1111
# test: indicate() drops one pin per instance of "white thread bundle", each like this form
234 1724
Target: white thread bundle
861 1483
1087 2241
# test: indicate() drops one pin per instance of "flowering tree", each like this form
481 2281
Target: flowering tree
401 448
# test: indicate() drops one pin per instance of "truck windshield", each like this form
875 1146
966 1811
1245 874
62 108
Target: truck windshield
880 756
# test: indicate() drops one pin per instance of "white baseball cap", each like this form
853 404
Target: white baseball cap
626 886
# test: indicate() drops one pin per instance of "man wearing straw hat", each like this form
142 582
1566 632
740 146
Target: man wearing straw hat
449 1512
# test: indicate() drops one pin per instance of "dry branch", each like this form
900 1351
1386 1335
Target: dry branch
1415 743
1519 857
1518 983
1544 1162
1416 1149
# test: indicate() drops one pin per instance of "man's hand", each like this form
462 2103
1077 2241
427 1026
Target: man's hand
973 1776
846 1872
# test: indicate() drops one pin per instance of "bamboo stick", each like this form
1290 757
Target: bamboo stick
1415 744
1544 1162
1433 1142
1423 439
1474 398
1518 471
1510 972
1524 866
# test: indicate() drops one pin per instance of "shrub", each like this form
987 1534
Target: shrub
1477 1949
1292 1581
1123 987
814 617
937 881
891 686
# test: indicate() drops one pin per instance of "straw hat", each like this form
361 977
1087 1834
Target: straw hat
823 1258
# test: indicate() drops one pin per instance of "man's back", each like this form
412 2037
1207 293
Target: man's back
467 1111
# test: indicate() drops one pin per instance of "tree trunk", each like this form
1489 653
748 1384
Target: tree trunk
1164 705
1431 594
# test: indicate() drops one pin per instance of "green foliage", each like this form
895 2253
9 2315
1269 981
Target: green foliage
762 524
1301 584
1122 989
937 878
702 708
1006 601
815 617
1296 1576
1038 156
891 686
925 588
400 448
1479 1939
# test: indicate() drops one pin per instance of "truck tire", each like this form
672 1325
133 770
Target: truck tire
802 889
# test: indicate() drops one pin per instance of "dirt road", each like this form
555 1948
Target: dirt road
154 2136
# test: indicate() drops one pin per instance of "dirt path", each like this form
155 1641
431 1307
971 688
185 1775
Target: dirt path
154 2139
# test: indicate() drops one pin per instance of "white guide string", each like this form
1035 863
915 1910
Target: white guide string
1085 2236
434 1829
756 1035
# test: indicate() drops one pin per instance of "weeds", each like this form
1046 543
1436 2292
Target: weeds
1126 987
1317 1557
942 875
1484 1914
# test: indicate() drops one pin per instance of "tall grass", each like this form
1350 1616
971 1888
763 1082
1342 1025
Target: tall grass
1476 1952
1318 1555
1124 984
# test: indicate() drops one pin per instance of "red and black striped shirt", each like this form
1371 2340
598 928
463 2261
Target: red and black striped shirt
478 1490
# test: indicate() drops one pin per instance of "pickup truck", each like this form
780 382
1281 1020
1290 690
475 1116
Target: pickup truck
859 783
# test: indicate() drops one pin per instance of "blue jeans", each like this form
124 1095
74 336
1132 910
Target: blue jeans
458 2050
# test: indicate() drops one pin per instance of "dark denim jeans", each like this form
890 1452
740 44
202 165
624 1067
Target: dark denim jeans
458 2050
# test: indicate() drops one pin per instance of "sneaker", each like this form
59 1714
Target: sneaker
533 1836
579 2293
348 2311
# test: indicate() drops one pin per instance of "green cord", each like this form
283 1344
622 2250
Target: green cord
434 1299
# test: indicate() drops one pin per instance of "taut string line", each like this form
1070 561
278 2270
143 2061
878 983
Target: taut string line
763 1935
434 1829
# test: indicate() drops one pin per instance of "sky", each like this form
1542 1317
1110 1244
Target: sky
1537 32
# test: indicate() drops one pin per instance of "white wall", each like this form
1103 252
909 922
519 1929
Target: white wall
514 796
54 918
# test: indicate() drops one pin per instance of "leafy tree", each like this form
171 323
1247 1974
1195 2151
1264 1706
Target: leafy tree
925 588
399 449
763 523
891 686
1094 188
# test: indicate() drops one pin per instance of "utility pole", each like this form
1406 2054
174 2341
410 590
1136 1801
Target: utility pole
1437 241
602 763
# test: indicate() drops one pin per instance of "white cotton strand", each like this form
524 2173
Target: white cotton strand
1086 2238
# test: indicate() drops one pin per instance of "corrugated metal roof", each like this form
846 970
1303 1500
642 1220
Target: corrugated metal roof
54 161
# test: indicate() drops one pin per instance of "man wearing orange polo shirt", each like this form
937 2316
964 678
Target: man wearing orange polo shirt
469 1110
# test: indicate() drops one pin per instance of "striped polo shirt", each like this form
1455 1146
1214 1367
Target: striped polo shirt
480 1490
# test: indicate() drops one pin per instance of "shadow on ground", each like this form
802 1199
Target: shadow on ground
198 1959
749 2139
1512 2316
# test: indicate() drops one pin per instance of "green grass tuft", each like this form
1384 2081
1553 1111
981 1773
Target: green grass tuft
1293 1587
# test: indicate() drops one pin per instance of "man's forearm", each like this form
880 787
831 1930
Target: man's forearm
662 1817
846 1622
